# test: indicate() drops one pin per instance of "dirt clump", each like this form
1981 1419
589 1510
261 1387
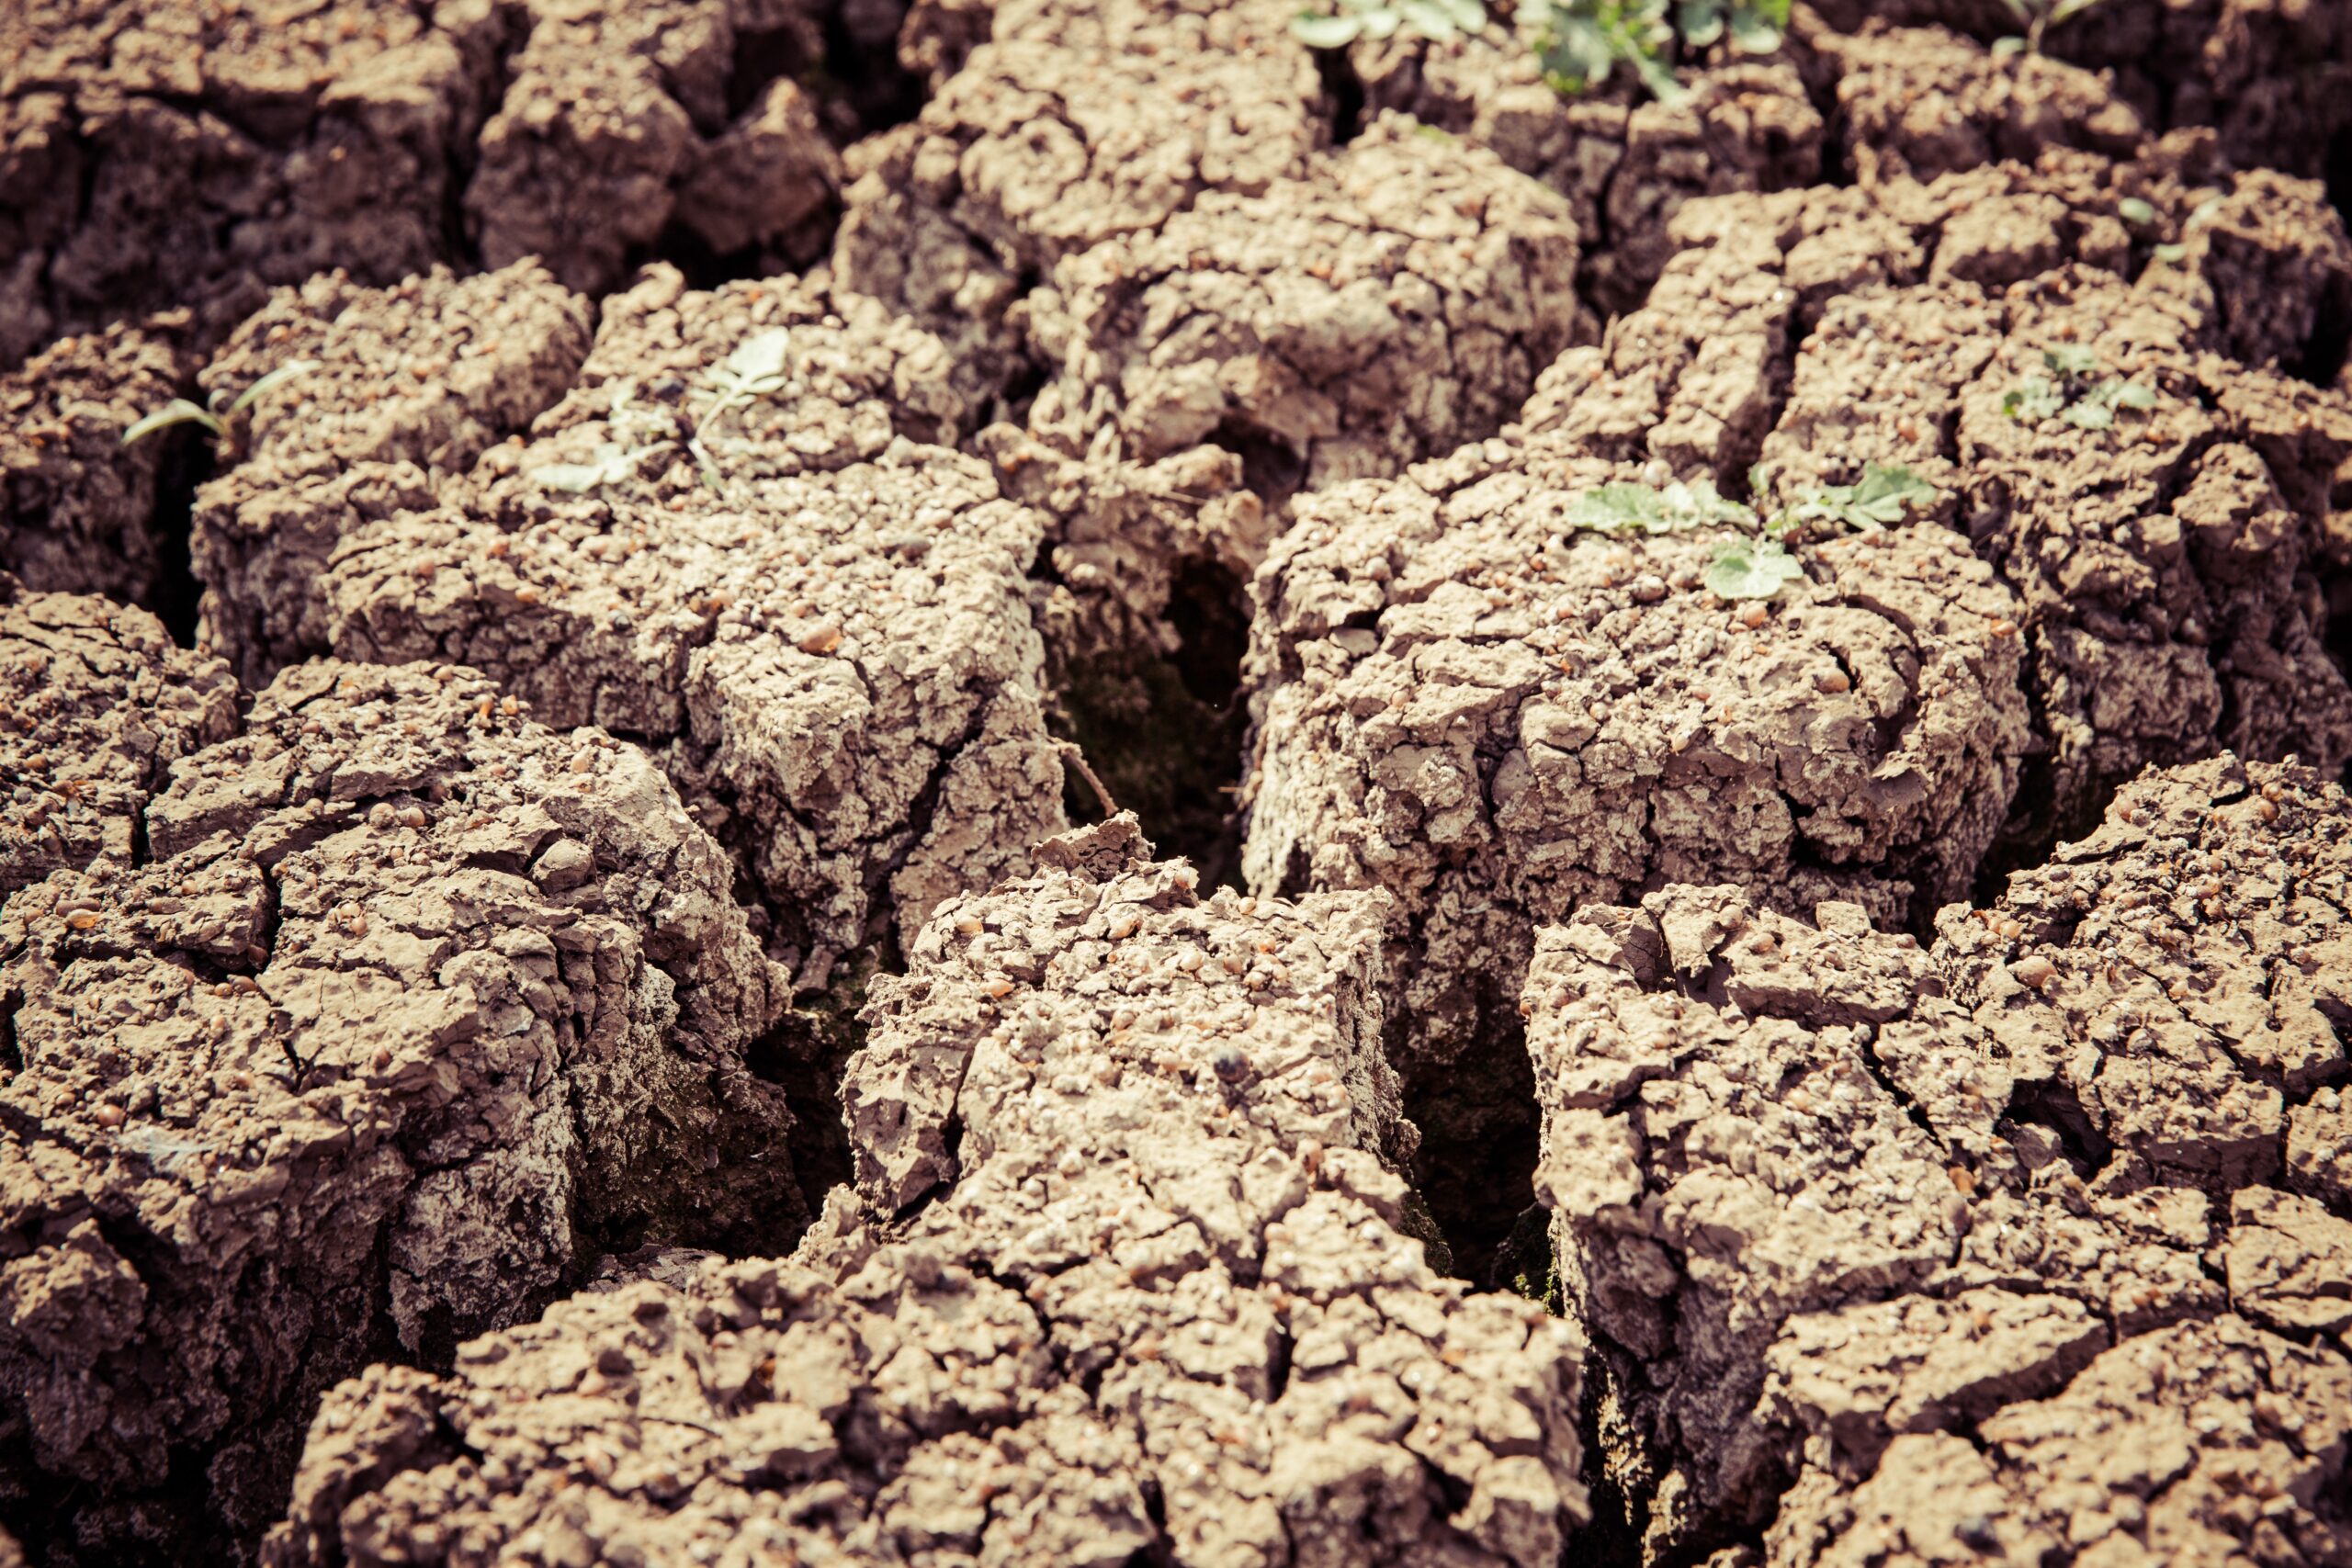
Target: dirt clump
1903 1232
1151 1285
2167 548
1073 123
1625 162
1919 102
77 506
411 1005
99 705
160 156
620 120
1395 300
821 623
1497 717
410 384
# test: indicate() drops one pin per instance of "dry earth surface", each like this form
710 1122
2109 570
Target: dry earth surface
945 782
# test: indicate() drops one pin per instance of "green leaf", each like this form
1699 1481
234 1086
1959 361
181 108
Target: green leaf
2091 413
1575 53
277 377
609 464
1878 498
2004 47
2031 400
1750 569
2135 209
1700 21
179 410
1325 32
2172 254
760 357
1756 25
2023 13
2070 359
1615 508
2134 395
1659 78
1429 18
2066 9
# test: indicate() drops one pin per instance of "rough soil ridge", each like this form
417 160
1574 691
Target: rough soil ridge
2031 1244
409 1002
1151 1293
1498 719
96 704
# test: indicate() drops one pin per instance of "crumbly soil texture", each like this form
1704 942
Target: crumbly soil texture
985 782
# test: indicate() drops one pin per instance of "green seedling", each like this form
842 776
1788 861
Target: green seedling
209 413
1654 508
1582 42
1877 500
1750 569
1434 19
2037 18
639 433
2136 211
1756 565
2075 392
760 366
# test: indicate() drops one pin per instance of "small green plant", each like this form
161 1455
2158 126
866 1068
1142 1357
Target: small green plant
641 433
1434 19
1583 41
209 413
1877 500
2075 392
1654 508
2037 18
1756 564
760 366
1750 569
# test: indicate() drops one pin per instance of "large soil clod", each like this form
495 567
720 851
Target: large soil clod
1625 162
721 573
1151 1287
1498 721
407 1000
1948 1242
159 156
409 386
825 622
99 705
1074 124
76 506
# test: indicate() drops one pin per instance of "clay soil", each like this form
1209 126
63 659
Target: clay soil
885 799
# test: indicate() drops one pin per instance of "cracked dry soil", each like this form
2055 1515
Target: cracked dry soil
897 810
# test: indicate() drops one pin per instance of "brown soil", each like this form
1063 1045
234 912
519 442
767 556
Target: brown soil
551 1011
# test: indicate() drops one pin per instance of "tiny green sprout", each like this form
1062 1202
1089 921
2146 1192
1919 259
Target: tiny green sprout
1582 42
760 366
210 414
2137 210
1437 20
2037 18
1646 509
642 432
2171 255
1750 569
1878 500
2071 393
